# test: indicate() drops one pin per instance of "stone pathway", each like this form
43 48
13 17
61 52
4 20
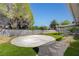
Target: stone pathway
56 49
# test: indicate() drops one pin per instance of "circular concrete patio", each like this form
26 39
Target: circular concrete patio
32 40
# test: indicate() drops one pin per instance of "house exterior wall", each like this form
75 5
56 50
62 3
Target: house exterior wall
74 7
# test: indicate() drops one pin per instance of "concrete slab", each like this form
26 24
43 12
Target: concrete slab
32 40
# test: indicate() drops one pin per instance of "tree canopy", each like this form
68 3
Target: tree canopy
65 22
39 28
53 24
17 10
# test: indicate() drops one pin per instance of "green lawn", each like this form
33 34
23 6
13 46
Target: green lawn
73 50
11 50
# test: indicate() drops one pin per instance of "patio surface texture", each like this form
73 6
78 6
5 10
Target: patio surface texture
56 49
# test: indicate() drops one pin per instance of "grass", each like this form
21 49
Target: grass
7 49
56 35
73 50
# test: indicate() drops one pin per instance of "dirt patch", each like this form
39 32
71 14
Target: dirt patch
4 39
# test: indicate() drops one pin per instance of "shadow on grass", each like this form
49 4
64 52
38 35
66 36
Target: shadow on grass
73 50
76 37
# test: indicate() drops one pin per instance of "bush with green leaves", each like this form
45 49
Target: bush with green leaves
56 35
76 37
74 29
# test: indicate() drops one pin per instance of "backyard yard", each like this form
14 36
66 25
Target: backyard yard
7 49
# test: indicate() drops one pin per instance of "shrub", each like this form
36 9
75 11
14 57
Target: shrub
76 37
74 29
56 35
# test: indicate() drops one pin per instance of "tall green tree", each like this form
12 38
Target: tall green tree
53 24
43 28
39 28
65 22
15 10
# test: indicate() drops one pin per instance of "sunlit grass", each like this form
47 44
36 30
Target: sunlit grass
73 50
8 49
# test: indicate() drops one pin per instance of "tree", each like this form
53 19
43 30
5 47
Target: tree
43 28
39 28
53 24
65 22
14 10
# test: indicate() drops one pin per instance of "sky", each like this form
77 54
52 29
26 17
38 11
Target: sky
44 13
